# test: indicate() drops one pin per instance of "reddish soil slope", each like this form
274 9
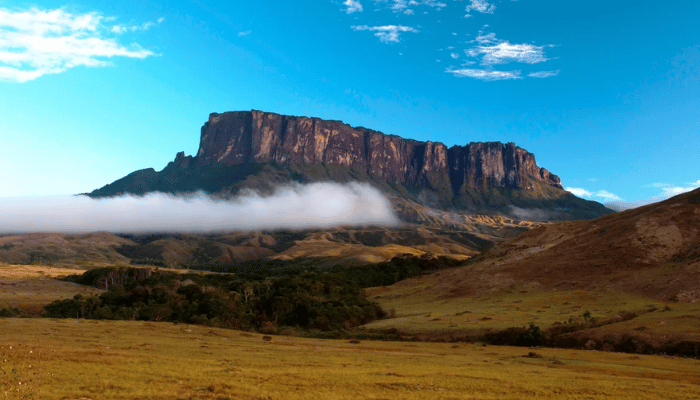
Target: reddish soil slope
652 250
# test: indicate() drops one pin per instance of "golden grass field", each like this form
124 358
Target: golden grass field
420 310
84 359
30 287
88 359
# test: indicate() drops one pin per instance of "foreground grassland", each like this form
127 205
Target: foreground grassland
71 359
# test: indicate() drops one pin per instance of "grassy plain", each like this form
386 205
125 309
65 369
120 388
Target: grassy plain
72 359
420 310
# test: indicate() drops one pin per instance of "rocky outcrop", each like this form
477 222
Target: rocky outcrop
242 137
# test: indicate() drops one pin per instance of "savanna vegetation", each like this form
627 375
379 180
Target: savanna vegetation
263 296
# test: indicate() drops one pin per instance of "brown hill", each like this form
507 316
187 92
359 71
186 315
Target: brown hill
652 250
48 248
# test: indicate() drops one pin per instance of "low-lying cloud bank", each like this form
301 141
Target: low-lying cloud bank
318 205
535 214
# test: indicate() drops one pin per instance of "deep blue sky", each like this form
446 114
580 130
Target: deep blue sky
606 94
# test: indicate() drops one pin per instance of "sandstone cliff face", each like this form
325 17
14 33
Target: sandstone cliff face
257 137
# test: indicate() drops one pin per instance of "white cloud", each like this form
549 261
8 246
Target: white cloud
669 190
317 205
403 6
386 33
579 192
505 52
543 74
454 55
119 29
399 5
675 190
431 3
602 194
244 33
484 74
489 51
38 42
353 6
481 6
488 38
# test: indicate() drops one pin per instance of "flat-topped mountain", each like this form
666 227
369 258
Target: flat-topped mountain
256 137
259 150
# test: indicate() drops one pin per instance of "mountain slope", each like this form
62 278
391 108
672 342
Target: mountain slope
652 250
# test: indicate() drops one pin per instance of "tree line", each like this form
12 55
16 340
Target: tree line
252 298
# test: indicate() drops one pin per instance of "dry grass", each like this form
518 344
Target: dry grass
35 271
421 311
69 359
30 287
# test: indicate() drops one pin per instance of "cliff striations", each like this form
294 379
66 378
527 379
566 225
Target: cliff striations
245 137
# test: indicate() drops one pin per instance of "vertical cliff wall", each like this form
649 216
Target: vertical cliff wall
257 137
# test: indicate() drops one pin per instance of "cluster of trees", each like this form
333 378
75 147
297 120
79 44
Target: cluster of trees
260 299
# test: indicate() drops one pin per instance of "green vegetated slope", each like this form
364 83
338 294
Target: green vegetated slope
70 359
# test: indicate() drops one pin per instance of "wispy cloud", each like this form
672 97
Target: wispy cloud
605 195
601 194
489 51
579 192
244 33
486 50
352 6
404 6
503 52
481 6
387 33
669 190
543 74
119 29
485 74
38 42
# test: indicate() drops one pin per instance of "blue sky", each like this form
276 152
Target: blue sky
606 94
